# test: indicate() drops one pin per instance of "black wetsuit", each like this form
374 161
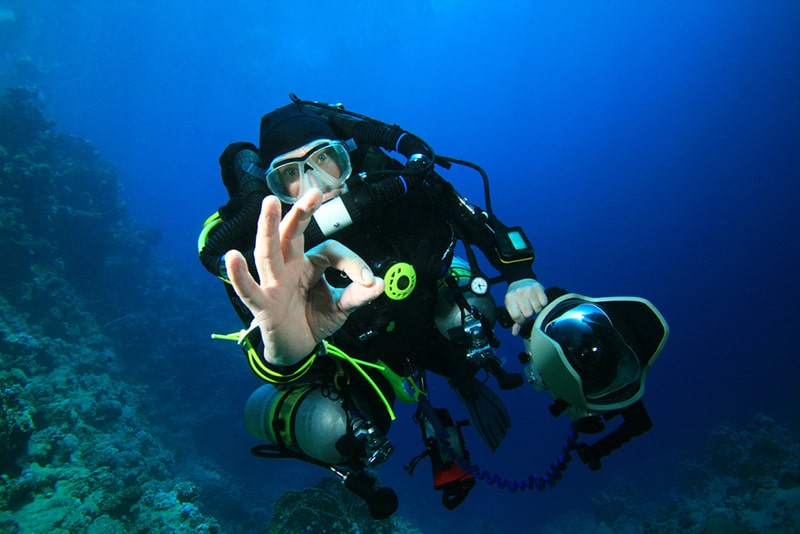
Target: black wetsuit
421 229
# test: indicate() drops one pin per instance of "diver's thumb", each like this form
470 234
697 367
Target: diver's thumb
356 295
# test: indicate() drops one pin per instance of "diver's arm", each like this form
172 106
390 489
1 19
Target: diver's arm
525 296
292 304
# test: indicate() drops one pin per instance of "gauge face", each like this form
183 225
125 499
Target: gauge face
479 285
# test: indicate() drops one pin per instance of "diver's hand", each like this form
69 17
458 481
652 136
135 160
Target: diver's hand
524 299
293 304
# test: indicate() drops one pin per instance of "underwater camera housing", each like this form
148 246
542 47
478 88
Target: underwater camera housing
593 354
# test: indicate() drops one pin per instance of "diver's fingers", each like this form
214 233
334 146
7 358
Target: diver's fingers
365 287
295 223
355 295
524 302
540 300
519 306
332 253
267 252
525 308
513 310
242 281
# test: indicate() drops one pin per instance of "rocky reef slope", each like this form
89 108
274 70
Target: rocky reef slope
79 450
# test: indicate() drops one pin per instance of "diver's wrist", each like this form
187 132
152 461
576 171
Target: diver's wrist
283 353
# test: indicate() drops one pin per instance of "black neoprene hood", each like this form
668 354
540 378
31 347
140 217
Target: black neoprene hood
288 128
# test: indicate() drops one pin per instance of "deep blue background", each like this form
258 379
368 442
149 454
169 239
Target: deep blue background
649 148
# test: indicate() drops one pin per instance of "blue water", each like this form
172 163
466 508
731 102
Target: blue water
648 148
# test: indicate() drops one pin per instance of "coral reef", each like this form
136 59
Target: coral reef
58 196
329 508
749 482
78 452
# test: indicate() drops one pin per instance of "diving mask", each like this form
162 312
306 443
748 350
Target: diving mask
594 354
324 164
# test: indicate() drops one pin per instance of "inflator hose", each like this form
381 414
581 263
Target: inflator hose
372 132
236 223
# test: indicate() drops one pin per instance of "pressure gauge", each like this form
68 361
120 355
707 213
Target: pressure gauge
479 285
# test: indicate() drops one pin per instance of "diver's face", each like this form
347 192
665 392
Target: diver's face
295 177
321 164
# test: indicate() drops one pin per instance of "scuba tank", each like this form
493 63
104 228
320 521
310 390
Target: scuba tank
312 422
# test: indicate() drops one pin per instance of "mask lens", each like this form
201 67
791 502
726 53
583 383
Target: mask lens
323 164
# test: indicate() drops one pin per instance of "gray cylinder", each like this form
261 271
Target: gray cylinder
447 314
316 422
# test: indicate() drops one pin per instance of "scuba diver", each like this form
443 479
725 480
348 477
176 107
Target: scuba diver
340 261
